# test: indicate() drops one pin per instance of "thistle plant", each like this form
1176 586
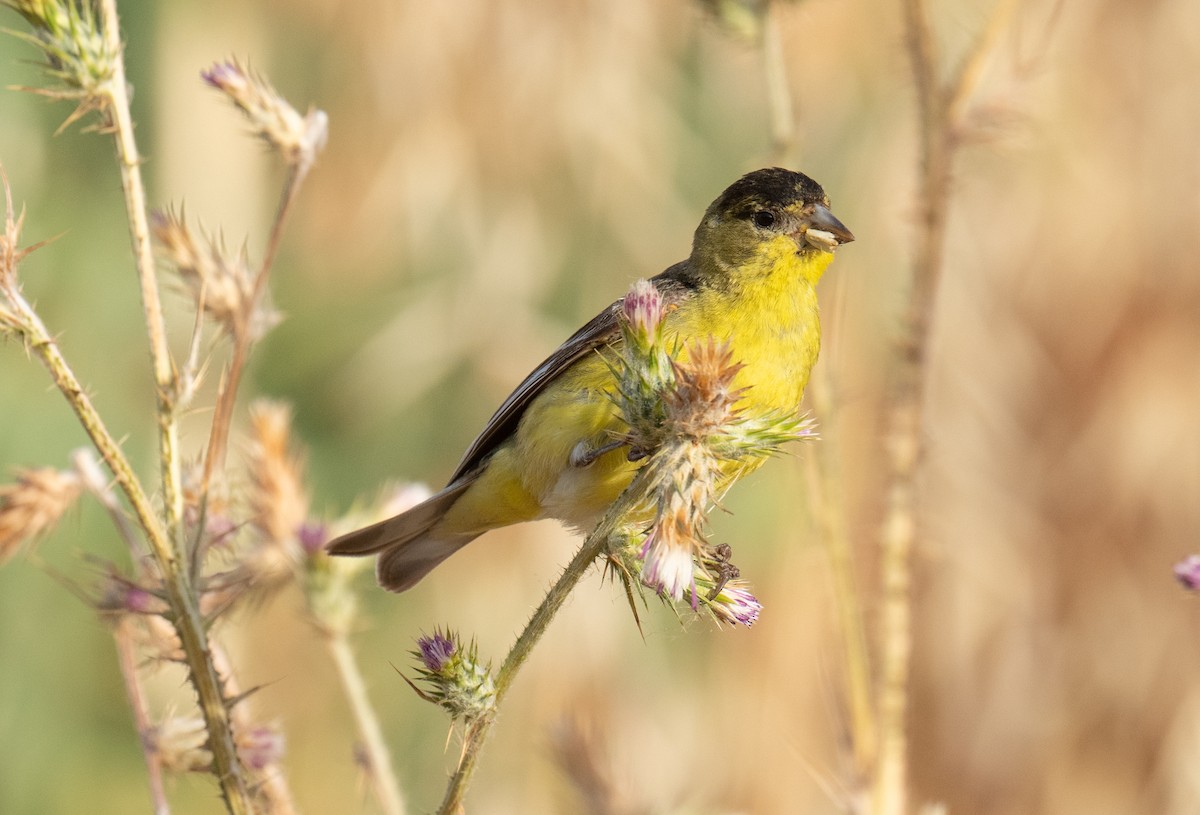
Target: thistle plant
680 408
163 605
683 406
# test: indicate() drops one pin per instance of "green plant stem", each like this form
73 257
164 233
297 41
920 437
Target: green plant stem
593 547
180 595
121 120
379 759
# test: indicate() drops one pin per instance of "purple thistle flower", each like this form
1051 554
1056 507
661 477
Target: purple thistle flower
643 307
436 651
736 604
313 535
1187 572
225 76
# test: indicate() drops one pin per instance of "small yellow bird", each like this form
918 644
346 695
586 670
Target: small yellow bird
547 452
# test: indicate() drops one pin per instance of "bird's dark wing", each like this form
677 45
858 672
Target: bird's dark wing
600 330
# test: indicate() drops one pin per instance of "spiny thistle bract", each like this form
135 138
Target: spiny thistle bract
681 409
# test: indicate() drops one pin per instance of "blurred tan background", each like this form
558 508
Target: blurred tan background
497 172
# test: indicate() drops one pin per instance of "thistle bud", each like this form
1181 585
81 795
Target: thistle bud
297 138
453 677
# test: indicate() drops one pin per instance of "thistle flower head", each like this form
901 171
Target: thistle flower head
435 651
33 505
734 604
643 370
220 282
278 501
179 742
453 677
297 138
702 401
259 746
683 411
1187 572
118 595
78 54
642 313
11 254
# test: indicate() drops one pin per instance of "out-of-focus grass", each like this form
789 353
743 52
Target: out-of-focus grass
499 171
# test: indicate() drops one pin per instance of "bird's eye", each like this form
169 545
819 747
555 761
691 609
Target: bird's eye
764 219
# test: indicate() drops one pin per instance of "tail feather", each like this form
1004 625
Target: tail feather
406 547
402 566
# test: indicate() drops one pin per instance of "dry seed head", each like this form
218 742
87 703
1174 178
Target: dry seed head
179 742
220 281
701 402
278 501
297 138
683 476
33 505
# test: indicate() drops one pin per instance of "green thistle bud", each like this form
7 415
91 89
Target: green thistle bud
77 52
453 676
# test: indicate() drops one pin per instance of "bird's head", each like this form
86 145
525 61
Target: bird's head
764 219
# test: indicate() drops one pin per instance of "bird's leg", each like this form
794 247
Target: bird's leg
584 455
719 561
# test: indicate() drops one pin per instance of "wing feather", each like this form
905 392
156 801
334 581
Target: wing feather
603 329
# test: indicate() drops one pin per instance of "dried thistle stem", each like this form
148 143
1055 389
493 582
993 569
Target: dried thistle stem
243 334
123 636
780 103
379 758
185 613
941 109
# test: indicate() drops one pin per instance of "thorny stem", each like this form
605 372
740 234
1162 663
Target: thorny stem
273 787
180 595
941 109
127 659
379 759
121 121
592 548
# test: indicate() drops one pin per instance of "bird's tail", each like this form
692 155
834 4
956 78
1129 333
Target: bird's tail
407 547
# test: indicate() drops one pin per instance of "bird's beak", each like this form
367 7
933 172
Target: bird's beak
824 231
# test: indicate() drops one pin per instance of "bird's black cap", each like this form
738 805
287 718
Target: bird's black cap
770 187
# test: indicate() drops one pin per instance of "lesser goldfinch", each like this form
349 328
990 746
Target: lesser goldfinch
546 453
